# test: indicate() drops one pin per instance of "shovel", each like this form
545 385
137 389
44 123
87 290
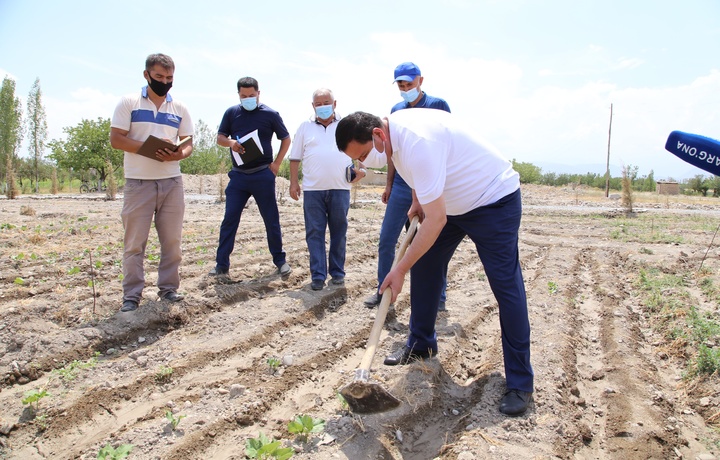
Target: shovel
363 396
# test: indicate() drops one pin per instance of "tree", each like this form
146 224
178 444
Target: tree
714 184
11 132
699 184
207 157
87 147
37 128
628 199
11 191
529 173
649 184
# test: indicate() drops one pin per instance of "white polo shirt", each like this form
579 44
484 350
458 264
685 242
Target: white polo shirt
323 164
437 156
138 115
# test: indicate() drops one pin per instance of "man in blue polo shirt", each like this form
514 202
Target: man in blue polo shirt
255 177
326 189
398 195
153 186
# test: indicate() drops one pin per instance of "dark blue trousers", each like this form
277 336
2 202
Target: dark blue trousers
494 230
261 186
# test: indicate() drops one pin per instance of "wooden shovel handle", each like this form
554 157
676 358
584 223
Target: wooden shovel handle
385 302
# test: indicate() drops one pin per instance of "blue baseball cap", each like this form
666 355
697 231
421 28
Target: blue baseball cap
407 71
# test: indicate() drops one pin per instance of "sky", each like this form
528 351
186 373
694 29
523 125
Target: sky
536 78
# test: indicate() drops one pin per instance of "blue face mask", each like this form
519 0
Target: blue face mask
410 95
249 103
324 112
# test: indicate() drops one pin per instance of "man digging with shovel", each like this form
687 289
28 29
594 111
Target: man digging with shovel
461 186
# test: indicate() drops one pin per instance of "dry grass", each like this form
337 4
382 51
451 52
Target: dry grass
27 210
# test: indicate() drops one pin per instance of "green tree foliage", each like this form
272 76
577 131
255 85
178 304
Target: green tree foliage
37 128
529 173
699 184
87 147
647 183
714 184
11 132
25 172
207 156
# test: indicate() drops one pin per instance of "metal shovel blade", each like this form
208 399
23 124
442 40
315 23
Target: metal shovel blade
368 398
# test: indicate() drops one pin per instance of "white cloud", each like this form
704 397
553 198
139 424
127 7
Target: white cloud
83 103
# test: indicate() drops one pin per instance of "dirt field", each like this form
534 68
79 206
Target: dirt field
246 357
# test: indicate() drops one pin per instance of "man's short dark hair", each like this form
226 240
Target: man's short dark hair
163 60
356 127
248 82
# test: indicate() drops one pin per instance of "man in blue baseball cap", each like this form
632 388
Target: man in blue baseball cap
398 195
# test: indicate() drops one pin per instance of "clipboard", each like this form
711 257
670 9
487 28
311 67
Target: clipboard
253 149
152 144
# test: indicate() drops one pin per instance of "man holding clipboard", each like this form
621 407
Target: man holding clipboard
153 182
247 129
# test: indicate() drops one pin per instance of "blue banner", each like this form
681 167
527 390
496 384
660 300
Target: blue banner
697 150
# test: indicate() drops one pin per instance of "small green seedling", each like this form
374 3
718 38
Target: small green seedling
273 363
42 422
343 401
552 287
264 448
304 425
163 374
68 372
34 397
19 281
174 421
74 271
110 453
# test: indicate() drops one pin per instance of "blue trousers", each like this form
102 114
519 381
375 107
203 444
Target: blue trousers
494 230
261 186
326 209
395 218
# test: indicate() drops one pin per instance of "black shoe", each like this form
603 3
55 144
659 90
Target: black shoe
217 271
373 300
407 355
317 285
338 281
441 306
515 402
173 296
129 305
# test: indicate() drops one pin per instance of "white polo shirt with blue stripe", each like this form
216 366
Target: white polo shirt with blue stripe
138 115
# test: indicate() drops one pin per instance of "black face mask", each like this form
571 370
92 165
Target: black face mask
158 87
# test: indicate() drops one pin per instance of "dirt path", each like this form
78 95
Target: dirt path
607 384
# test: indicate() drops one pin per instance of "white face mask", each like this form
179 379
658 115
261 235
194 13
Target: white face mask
249 103
376 159
375 151
410 95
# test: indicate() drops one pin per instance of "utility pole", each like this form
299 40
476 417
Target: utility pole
607 168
